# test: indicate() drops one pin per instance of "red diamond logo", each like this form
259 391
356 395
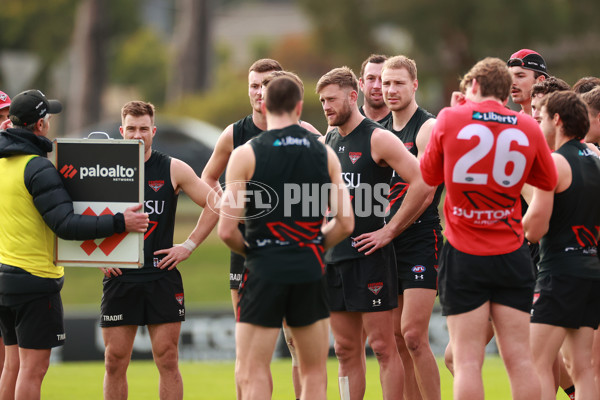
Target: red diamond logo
108 244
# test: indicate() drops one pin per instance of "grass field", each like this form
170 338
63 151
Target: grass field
206 281
214 381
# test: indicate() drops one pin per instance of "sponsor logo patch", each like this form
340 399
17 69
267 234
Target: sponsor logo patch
417 269
156 185
68 171
354 156
375 287
491 116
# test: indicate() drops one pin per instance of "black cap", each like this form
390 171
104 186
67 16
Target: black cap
528 59
29 106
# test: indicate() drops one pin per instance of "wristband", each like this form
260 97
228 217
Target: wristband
189 245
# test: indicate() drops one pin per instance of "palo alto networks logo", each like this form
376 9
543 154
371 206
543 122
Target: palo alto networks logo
68 171
245 200
107 245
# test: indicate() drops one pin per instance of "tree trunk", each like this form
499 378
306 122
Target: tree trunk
88 67
190 69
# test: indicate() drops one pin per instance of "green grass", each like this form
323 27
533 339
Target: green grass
205 273
215 380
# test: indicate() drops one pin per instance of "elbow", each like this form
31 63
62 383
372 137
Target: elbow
226 233
348 225
534 233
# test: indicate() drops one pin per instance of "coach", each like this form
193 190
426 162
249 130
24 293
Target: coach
34 206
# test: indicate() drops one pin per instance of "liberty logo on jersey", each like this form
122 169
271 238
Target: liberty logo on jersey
156 185
495 117
354 156
375 287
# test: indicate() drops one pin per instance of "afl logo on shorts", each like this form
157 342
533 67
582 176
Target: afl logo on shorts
179 298
417 269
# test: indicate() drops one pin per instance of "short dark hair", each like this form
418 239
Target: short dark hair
572 111
592 98
343 77
265 65
586 84
373 59
282 95
549 85
138 108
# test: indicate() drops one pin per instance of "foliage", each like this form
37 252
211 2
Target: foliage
451 35
42 27
141 60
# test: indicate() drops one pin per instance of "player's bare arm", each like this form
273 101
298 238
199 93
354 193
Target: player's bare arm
240 169
218 160
308 126
387 149
537 218
342 225
185 179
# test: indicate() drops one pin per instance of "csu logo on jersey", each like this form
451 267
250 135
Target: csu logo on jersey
491 116
354 156
417 269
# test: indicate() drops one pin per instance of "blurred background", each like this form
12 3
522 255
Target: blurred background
191 58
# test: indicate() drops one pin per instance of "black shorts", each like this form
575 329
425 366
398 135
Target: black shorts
236 270
143 303
366 284
35 324
467 281
267 303
417 258
567 301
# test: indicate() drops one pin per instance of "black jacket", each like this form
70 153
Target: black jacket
48 192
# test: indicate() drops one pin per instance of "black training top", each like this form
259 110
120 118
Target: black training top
160 202
398 186
284 233
382 121
367 182
570 245
244 130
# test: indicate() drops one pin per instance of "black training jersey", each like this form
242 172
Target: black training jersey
570 245
284 238
244 130
367 182
398 186
160 202
382 121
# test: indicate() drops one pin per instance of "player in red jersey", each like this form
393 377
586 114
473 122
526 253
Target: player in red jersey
485 153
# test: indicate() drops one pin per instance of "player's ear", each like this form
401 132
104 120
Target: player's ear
121 131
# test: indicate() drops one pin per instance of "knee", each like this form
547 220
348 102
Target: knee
413 340
381 348
448 359
115 363
167 359
345 351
